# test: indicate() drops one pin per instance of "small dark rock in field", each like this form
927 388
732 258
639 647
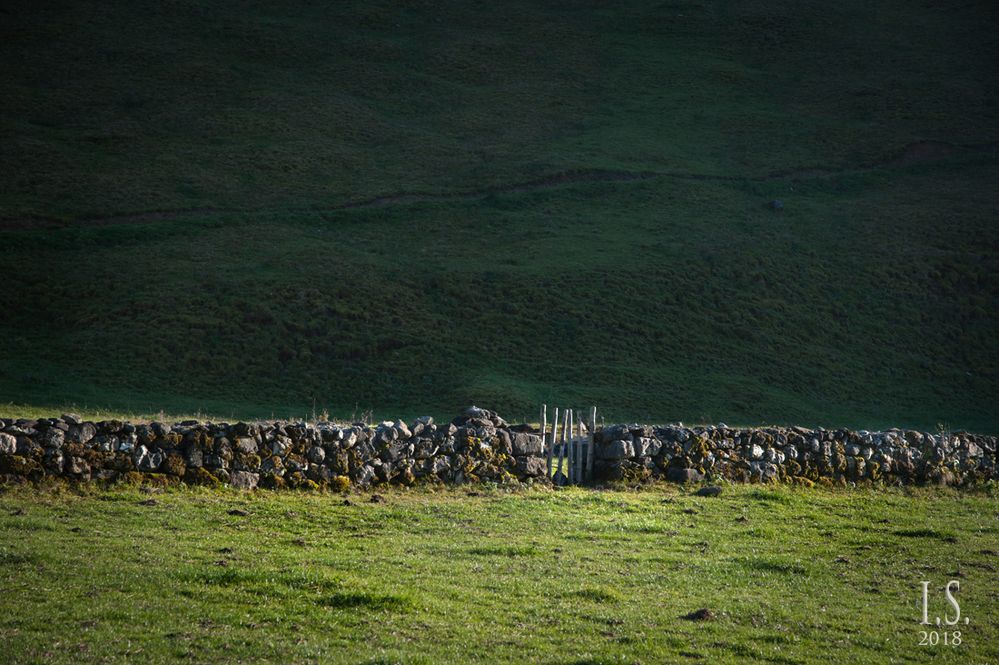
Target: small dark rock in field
710 490
776 205
76 529
347 502
238 512
225 550
689 511
703 614
985 552
377 498
149 502
299 541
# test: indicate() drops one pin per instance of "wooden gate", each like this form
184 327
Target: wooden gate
569 445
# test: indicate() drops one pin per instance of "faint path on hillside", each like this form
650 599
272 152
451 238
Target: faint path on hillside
913 153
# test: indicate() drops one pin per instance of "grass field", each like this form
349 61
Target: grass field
179 231
576 576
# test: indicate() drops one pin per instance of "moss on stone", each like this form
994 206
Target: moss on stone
20 466
158 480
271 481
130 478
173 465
201 476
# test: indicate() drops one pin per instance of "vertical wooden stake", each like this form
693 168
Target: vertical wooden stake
568 453
562 452
572 446
543 426
554 441
591 443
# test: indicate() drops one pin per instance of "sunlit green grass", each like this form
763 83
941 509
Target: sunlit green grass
574 576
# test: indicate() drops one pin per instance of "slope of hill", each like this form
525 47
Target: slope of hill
251 209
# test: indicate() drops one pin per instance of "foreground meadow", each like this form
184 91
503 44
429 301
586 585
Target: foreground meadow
482 575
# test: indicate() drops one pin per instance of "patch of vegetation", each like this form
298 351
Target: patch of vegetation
303 577
776 567
367 600
598 594
926 533
505 550
770 495
9 558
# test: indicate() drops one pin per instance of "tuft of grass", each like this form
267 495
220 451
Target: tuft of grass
505 550
9 558
775 566
927 533
602 594
344 600
770 496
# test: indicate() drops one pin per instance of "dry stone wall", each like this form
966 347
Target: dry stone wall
477 446
793 454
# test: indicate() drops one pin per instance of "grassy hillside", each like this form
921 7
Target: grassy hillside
249 210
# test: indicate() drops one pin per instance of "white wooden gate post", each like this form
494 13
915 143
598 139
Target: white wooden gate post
551 448
591 443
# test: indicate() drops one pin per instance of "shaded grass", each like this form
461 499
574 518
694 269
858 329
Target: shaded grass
598 594
505 550
777 567
871 301
927 533
365 600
